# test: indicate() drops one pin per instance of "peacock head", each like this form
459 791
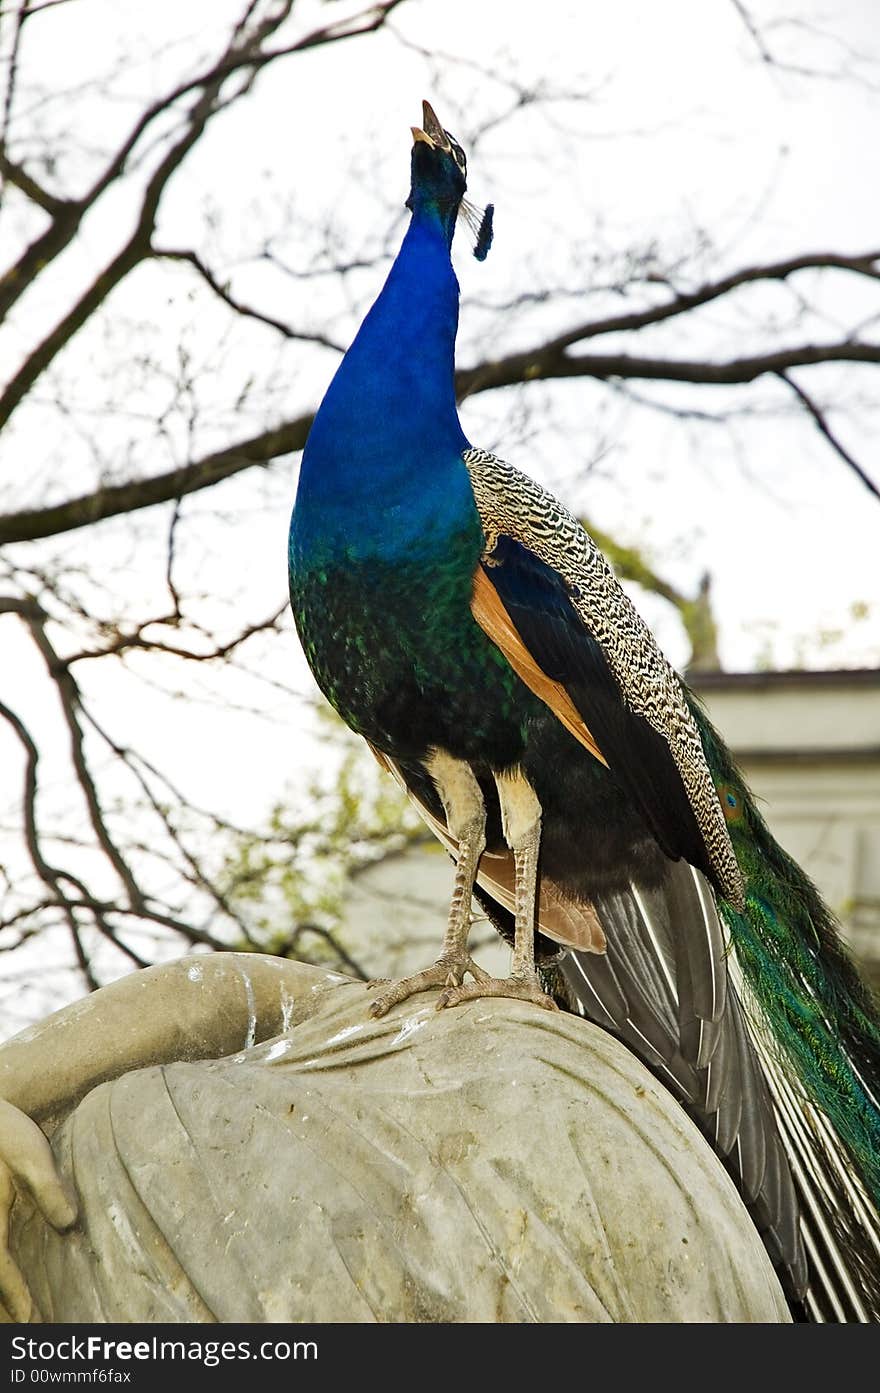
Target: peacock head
439 166
439 179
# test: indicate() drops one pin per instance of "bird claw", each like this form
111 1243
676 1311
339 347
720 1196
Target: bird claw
517 988
447 972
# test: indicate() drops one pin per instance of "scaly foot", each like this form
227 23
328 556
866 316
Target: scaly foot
519 988
447 971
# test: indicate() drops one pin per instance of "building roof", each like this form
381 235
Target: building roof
802 715
795 677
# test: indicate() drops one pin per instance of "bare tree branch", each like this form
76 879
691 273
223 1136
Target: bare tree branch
865 264
15 174
221 291
200 878
218 653
69 213
345 958
135 250
21 15
545 361
245 52
824 428
550 361
116 499
754 31
137 904
50 875
68 691
841 71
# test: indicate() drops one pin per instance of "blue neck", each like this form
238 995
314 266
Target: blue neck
385 447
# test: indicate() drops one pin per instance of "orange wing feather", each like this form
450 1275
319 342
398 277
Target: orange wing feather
494 620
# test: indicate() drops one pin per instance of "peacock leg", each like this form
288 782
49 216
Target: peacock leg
466 820
521 820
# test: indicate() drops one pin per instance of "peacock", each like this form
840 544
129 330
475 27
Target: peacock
463 622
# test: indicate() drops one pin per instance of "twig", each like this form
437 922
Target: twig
823 426
327 935
115 499
192 259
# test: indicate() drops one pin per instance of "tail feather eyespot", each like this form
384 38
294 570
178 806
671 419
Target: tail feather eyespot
732 804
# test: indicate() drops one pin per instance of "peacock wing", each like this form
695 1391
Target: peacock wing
547 598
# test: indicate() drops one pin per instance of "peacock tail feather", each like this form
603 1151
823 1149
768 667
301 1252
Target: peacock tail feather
815 1020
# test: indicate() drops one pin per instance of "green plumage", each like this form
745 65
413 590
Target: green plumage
401 671
822 1013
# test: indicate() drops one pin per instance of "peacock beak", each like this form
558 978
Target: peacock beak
430 131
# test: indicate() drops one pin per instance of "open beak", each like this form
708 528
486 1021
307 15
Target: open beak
430 131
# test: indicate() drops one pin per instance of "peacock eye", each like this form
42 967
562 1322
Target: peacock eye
457 153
